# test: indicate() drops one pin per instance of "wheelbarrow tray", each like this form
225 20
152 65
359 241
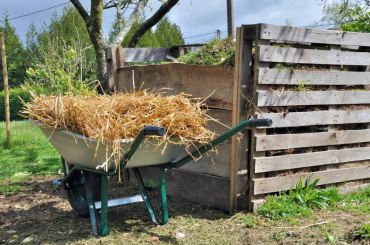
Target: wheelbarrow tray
77 149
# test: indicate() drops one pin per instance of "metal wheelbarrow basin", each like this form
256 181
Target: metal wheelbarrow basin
79 150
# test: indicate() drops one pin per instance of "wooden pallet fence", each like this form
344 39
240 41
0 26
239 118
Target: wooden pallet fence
314 86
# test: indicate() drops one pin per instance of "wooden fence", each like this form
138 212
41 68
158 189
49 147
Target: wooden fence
315 86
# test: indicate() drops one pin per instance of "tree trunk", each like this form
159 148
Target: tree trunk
95 27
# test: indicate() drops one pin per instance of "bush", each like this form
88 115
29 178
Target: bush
16 95
58 74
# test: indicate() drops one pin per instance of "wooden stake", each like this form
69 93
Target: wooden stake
6 90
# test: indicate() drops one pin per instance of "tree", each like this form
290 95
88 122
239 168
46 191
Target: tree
348 15
94 19
168 34
15 55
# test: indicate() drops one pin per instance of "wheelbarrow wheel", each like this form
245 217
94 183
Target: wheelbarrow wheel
76 194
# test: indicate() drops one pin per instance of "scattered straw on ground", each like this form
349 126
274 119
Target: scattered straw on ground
110 118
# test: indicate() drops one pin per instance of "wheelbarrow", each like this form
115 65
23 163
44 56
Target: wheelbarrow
87 187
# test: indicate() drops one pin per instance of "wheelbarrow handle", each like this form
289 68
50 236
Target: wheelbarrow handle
222 138
154 130
146 131
262 122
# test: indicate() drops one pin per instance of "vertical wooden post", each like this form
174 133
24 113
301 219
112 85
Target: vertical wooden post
230 18
6 90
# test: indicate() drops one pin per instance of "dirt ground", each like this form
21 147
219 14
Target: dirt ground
42 215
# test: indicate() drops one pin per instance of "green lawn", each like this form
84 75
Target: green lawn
29 153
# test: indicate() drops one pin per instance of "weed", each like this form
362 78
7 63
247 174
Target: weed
299 201
250 220
363 232
331 238
301 86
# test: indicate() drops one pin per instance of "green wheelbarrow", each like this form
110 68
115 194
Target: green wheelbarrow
87 187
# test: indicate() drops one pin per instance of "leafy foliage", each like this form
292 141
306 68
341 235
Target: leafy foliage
214 53
348 15
57 74
15 56
16 95
65 32
166 34
299 201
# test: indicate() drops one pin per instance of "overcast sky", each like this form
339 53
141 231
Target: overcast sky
193 16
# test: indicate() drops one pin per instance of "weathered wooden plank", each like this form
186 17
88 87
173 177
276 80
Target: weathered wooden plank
293 161
291 98
312 56
200 188
304 35
214 82
288 141
298 119
144 54
298 77
281 183
345 189
206 189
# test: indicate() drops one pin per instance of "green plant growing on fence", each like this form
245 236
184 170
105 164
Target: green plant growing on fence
301 86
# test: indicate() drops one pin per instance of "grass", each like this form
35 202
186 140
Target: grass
29 153
305 199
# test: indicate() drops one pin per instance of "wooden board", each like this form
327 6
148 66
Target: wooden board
291 98
312 56
297 77
144 54
281 183
293 161
288 141
308 35
212 191
214 82
298 119
209 190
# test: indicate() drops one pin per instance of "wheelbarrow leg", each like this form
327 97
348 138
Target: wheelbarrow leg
91 202
104 229
164 197
146 199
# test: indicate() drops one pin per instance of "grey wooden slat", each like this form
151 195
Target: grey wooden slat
293 161
298 119
291 98
308 35
288 141
281 183
312 56
144 54
296 77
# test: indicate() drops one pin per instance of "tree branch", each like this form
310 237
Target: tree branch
149 23
85 16
130 21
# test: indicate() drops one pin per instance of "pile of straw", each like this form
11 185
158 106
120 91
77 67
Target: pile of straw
110 118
